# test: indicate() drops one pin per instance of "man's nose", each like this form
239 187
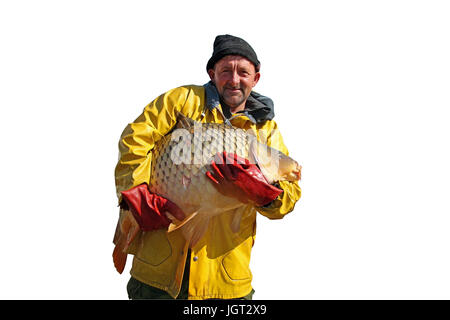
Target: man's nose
234 80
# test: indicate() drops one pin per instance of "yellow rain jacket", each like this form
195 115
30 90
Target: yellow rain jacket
219 266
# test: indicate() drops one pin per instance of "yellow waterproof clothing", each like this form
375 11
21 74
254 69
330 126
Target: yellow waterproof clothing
219 265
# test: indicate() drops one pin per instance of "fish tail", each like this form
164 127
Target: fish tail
184 122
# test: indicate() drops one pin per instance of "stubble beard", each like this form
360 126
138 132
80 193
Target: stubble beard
233 101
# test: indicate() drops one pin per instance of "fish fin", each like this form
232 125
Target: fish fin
117 232
126 231
192 228
236 220
119 258
263 156
184 122
178 224
195 231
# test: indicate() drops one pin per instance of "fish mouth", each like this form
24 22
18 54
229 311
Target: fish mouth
297 172
294 174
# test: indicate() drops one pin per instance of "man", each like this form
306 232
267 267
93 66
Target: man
161 267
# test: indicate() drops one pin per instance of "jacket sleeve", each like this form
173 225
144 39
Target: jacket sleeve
139 138
286 201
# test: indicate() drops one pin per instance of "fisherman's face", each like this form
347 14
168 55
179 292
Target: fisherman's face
234 77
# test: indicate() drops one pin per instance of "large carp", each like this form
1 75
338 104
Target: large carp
180 161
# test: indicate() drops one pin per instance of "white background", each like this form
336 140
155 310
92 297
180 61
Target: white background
361 91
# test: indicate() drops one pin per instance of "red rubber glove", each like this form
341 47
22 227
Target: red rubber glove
149 209
236 177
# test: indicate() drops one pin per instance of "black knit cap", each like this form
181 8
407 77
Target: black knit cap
225 45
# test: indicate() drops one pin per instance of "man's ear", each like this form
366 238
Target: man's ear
257 76
211 74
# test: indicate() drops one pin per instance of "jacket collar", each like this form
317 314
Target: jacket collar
258 108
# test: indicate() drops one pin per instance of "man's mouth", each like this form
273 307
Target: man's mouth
233 90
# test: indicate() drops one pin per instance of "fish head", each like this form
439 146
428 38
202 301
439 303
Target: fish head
274 165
